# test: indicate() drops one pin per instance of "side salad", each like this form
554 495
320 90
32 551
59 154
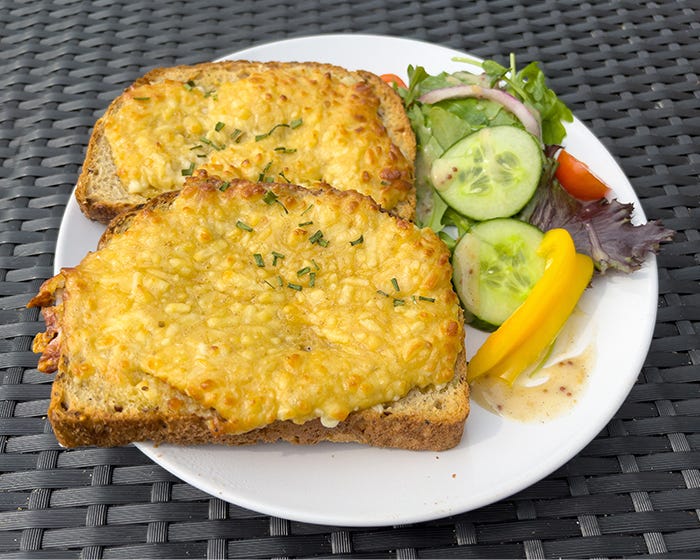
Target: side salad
528 224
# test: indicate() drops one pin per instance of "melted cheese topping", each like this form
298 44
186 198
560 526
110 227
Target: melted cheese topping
290 309
298 124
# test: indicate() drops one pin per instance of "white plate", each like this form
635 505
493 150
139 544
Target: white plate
353 485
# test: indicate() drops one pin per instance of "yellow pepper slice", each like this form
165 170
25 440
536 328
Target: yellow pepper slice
524 337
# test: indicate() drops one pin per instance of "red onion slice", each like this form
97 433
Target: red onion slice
524 114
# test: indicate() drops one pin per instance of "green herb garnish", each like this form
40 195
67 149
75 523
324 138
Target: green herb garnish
217 147
318 239
188 171
296 287
357 241
261 177
430 299
294 124
303 271
219 126
275 257
225 185
243 226
312 279
398 302
395 283
270 197
259 260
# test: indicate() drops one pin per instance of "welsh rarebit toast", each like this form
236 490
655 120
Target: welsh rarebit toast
234 312
306 123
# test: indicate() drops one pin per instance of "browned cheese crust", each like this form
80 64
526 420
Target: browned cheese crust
84 411
101 193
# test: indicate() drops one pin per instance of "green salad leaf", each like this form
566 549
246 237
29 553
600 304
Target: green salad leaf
602 229
439 126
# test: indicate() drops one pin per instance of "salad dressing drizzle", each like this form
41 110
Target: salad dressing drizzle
548 393
551 390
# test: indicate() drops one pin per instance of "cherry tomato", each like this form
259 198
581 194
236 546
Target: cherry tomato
393 79
577 179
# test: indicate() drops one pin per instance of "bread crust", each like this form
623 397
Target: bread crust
412 429
100 194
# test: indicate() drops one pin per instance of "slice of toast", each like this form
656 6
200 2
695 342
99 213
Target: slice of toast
237 312
306 123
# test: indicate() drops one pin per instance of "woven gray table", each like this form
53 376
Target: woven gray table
629 70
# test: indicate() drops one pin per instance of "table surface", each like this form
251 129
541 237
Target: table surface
628 69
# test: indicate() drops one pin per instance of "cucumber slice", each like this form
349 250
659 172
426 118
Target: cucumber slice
495 266
491 173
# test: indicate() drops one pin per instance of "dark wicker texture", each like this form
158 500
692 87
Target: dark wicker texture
628 69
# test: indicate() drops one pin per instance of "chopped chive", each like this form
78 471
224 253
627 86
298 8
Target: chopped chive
302 224
261 177
236 135
318 238
259 137
281 174
189 85
430 299
294 124
188 171
398 302
259 260
357 241
296 287
266 282
303 271
219 125
197 147
309 207
382 293
313 262
280 281
284 150
201 155
225 185
210 93
312 279
275 257
395 283
243 226
270 197
141 98
205 140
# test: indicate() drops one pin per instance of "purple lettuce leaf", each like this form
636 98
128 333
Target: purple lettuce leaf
601 229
